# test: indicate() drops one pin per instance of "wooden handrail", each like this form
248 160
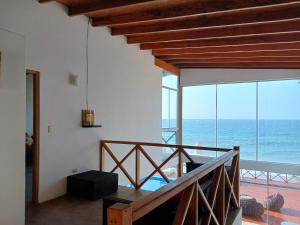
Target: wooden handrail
224 190
179 150
153 200
167 145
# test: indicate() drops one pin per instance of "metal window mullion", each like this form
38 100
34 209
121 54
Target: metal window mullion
257 122
217 118
179 113
169 94
169 89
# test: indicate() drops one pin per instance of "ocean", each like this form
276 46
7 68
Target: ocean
275 141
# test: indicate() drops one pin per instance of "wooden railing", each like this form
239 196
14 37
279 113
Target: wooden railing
138 149
215 206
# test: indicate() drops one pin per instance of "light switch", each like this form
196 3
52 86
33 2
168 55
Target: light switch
50 129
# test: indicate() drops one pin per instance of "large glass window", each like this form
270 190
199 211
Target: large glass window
199 116
237 117
263 118
279 121
169 108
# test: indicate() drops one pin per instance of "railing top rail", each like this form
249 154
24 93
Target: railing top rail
166 145
153 200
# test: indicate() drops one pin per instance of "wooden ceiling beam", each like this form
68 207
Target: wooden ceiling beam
181 8
232 60
167 66
242 65
236 40
248 15
228 48
202 33
237 54
102 5
212 32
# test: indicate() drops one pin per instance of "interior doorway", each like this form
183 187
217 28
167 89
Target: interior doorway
32 145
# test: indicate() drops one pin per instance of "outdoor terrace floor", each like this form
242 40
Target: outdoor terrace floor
288 215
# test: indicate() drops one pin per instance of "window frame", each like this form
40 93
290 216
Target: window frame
180 134
172 129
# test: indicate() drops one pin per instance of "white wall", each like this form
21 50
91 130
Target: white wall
191 77
29 105
12 127
125 88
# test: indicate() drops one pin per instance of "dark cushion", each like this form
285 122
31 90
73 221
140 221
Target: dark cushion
205 181
251 207
162 215
92 184
274 202
191 166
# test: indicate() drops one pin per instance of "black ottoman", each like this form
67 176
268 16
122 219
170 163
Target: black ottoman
92 184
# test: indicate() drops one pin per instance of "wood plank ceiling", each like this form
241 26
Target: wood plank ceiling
203 33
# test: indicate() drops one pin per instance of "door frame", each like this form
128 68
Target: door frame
36 134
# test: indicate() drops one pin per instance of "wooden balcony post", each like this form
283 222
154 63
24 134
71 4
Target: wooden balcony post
236 182
101 158
180 163
192 217
119 214
220 198
137 167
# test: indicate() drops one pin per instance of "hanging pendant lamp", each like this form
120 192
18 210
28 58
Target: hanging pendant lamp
87 114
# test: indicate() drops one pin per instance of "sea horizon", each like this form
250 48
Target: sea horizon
273 140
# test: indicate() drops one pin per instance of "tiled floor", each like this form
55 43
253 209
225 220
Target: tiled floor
289 214
65 211
69 210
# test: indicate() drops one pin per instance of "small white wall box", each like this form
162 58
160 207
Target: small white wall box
74 80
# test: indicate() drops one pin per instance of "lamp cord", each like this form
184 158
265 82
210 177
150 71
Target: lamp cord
87 63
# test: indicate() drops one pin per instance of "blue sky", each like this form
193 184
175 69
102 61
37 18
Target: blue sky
276 100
